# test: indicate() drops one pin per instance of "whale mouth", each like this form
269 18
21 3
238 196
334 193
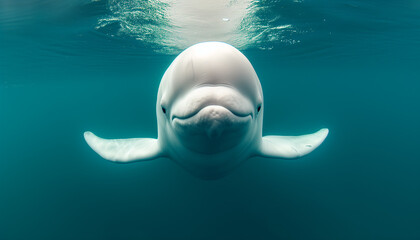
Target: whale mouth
212 121
223 99
213 109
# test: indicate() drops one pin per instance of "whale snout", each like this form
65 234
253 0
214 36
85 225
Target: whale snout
212 118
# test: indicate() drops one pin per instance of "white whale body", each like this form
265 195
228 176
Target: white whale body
209 114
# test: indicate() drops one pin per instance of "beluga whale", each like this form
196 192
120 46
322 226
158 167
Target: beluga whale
209 113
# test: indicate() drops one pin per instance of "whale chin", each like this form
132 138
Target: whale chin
212 129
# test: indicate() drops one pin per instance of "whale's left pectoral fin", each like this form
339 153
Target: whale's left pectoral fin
291 146
124 150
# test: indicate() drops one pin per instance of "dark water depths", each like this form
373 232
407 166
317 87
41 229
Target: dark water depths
351 66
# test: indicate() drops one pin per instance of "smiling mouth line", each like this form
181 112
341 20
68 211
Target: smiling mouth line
208 106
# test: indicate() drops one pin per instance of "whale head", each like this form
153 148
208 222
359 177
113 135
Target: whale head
209 99
209 112
209 104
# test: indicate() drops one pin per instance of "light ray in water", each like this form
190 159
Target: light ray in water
170 26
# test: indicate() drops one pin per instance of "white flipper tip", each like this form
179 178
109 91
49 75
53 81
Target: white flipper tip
94 142
87 135
89 138
311 141
322 134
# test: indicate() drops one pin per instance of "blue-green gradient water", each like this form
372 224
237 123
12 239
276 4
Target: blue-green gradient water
76 65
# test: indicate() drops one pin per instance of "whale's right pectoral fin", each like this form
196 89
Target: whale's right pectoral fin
124 150
291 146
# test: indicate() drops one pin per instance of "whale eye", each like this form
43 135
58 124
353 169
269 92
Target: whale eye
164 110
258 108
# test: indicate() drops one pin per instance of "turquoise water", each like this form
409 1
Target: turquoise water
71 66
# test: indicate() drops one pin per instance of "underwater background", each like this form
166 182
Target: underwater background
75 65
